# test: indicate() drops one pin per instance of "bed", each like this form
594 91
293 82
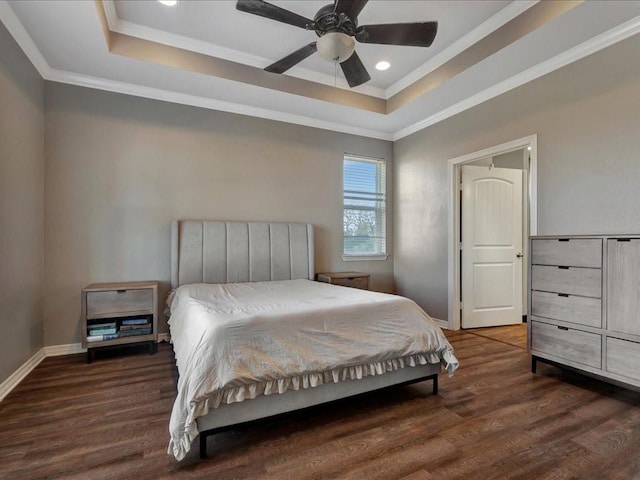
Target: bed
254 336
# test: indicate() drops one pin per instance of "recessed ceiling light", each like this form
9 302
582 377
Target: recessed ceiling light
382 65
169 3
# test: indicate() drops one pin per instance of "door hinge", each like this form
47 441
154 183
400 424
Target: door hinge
461 186
460 246
461 305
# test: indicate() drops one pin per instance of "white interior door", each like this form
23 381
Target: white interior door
491 233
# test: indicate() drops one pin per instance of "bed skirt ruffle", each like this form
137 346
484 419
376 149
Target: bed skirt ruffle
201 407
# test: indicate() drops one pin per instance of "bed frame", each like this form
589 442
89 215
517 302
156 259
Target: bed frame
204 251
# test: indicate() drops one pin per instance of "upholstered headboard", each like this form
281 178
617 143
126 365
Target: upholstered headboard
204 251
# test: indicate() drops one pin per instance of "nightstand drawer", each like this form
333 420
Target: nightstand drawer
567 343
345 279
119 301
355 282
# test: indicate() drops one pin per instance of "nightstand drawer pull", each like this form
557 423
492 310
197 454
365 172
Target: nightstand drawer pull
563 328
121 291
563 295
562 267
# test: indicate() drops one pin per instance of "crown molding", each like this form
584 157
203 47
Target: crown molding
511 11
208 103
24 40
110 14
26 43
132 29
595 44
126 27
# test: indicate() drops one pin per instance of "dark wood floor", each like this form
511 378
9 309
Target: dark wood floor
515 335
492 420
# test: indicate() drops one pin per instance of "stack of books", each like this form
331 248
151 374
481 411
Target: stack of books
134 326
101 331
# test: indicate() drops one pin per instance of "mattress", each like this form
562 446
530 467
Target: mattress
234 342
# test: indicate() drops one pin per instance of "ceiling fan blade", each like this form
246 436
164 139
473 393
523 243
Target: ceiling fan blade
272 12
292 59
351 8
411 34
354 71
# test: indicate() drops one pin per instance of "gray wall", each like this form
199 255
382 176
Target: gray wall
21 206
587 117
120 168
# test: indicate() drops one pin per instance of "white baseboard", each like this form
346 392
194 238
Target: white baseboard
51 351
16 377
441 323
69 349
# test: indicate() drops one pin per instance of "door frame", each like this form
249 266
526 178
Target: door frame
530 196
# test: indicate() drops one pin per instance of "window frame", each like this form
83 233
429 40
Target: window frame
381 213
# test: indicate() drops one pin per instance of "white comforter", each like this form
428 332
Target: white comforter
236 341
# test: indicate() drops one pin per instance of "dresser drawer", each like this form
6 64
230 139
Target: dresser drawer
623 357
572 280
567 343
574 252
570 308
119 301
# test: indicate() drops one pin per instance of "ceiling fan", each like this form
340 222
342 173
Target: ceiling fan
336 25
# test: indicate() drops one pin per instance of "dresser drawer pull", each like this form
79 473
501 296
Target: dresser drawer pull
623 239
121 291
563 295
564 239
351 278
563 328
563 268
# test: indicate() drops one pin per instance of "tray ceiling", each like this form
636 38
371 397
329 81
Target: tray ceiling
208 54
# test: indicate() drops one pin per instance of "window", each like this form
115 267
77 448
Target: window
364 211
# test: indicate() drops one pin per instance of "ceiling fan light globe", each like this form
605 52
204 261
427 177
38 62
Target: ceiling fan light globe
336 46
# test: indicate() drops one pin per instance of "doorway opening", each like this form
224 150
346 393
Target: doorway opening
491 255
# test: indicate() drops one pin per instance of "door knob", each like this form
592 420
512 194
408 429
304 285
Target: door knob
519 255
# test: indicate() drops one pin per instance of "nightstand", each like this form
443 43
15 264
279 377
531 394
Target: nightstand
346 279
115 314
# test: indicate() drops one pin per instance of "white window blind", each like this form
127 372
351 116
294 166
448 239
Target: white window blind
365 201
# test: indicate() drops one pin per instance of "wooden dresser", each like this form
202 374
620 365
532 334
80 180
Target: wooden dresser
585 305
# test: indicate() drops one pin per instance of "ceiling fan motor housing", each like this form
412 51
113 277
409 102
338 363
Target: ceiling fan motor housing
327 20
336 30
